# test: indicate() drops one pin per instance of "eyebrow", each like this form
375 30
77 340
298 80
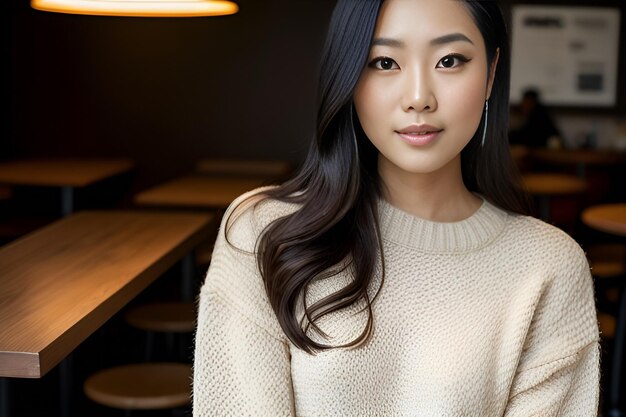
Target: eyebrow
452 37
441 40
388 42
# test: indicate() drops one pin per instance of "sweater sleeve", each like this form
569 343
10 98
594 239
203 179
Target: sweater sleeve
558 372
242 359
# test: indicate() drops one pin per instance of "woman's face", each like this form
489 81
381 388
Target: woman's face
421 96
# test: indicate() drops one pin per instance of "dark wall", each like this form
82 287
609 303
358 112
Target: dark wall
165 91
168 91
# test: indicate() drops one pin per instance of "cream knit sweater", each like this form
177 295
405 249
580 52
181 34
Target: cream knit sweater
489 316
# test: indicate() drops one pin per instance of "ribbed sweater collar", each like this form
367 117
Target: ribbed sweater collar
469 234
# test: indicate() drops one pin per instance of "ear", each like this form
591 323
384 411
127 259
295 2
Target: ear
492 73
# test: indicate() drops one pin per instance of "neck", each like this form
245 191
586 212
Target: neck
439 196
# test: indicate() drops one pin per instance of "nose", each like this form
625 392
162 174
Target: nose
417 93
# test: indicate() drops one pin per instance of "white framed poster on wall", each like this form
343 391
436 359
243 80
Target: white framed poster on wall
568 53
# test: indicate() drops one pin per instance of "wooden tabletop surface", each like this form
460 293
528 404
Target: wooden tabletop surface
553 184
609 218
61 283
578 156
197 192
62 172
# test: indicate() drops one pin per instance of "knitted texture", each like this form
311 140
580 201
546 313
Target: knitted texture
493 315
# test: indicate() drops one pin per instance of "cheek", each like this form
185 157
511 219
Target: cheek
375 102
367 104
465 102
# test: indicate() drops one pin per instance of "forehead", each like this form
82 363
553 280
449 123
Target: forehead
422 20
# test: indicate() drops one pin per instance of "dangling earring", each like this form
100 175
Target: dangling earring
482 143
354 138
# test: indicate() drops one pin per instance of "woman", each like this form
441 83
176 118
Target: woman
396 273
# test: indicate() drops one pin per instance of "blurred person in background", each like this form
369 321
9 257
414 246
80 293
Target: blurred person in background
537 129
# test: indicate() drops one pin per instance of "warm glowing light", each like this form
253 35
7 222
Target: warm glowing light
145 8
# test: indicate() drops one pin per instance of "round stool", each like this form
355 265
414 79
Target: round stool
608 218
176 317
149 386
611 218
168 318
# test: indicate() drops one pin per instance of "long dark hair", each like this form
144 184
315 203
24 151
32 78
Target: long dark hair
337 189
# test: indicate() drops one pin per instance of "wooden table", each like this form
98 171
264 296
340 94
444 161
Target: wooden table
608 218
553 184
546 185
65 173
197 192
580 158
61 283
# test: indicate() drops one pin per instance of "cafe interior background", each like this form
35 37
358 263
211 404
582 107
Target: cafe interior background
166 92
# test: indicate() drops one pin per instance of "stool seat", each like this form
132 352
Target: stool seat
177 317
148 386
608 218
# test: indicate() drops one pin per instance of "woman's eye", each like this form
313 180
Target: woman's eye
384 63
452 61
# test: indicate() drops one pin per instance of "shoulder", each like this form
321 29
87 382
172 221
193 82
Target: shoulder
555 268
233 276
543 259
555 275
544 242
248 215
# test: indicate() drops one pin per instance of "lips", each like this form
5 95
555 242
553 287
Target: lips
419 129
419 135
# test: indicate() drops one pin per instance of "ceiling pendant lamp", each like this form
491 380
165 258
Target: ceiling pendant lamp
142 8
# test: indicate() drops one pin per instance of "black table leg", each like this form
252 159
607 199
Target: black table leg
188 272
4 398
65 394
